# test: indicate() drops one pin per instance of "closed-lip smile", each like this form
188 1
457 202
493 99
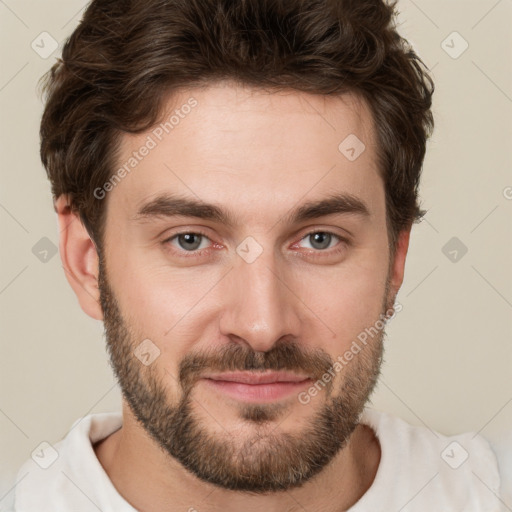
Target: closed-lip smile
257 386
256 378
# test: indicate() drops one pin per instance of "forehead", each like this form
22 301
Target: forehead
251 148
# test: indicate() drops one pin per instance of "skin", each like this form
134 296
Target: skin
258 155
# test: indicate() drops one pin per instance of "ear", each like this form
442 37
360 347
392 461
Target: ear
79 258
398 261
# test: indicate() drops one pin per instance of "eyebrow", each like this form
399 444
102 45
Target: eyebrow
169 205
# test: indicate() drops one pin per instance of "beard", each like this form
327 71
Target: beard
262 458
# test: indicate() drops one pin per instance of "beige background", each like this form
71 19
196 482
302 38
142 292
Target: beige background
448 353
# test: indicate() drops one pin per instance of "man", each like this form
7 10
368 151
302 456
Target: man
283 141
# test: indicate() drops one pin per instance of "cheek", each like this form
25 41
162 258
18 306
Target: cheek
348 302
166 305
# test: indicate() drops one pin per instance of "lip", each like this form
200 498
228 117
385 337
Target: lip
257 377
257 386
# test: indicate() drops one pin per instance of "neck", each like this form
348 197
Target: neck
150 480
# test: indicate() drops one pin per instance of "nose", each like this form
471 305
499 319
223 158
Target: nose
261 305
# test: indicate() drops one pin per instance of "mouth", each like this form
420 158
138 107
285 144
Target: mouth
257 386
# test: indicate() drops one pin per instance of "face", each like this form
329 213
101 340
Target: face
244 254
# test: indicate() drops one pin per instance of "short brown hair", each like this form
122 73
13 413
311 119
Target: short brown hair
127 56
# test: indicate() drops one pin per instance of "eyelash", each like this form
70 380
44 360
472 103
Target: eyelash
315 253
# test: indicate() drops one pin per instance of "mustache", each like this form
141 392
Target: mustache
235 357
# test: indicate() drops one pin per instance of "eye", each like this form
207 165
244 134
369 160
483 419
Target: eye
191 243
188 241
321 240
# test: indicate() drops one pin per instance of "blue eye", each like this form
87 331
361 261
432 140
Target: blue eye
321 240
197 244
188 241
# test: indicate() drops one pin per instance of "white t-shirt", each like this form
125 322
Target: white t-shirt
419 471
